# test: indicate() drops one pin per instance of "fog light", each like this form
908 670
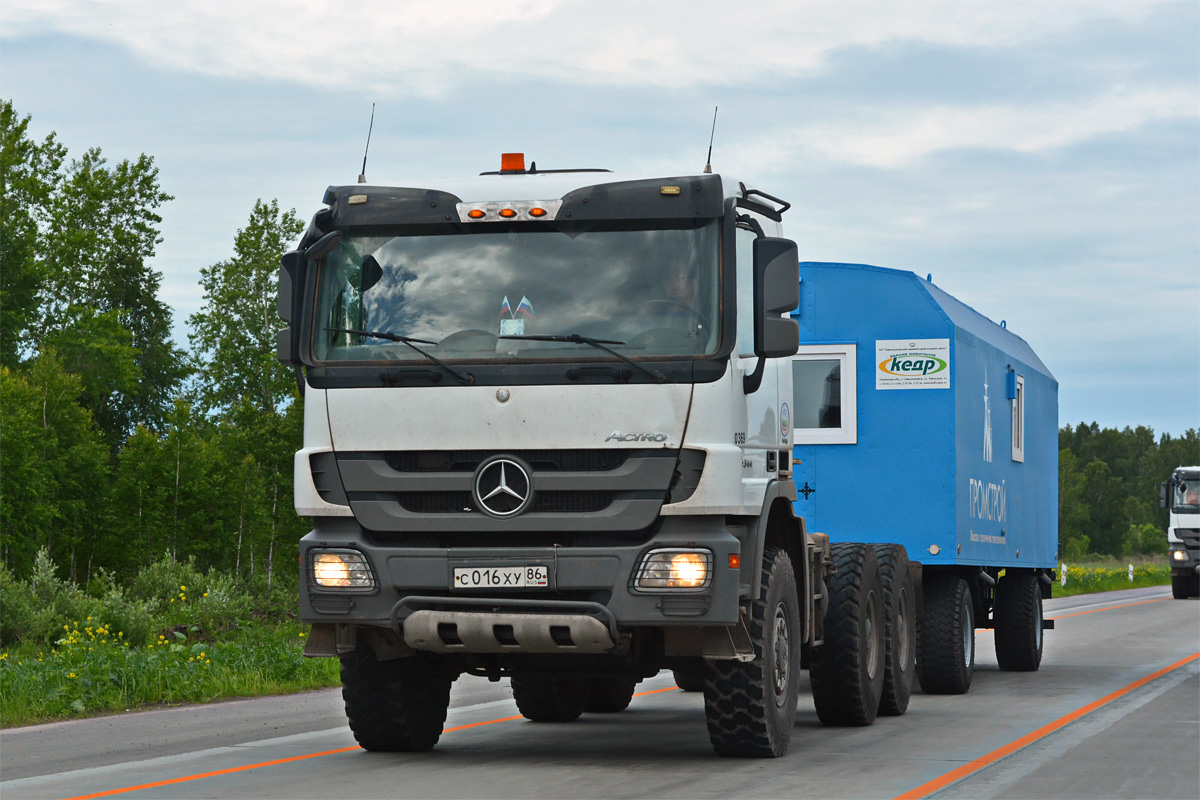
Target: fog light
341 569
674 570
1179 555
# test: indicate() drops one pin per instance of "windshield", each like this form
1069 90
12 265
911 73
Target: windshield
1186 497
644 291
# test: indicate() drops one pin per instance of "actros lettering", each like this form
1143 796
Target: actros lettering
989 501
617 436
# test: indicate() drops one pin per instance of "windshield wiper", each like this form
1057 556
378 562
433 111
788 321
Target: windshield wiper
599 344
465 378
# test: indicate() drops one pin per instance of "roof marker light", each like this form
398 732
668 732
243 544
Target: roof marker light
537 212
669 190
507 213
476 213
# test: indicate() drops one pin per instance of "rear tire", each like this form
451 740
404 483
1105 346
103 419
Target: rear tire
549 698
609 695
690 678
394 706
1019 622
750 706
847 670
899 602
946 644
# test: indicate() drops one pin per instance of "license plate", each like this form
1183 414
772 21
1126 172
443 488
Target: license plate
500 577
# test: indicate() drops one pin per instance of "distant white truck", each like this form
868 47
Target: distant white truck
1181 496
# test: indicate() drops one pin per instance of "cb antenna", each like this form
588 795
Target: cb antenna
362 176
708 161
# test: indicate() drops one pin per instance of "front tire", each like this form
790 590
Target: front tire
549 698
1018 622
946 644
847 671
394 706
750 706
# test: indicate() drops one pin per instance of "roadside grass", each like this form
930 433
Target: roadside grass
92 670
1111 576
176 636
169 635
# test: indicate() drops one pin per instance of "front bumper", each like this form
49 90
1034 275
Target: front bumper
585 584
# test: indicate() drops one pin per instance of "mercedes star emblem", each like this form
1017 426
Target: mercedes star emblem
502 487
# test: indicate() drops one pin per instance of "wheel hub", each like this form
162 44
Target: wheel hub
782 655
872 628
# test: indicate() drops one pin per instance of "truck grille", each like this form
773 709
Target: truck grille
416 491
539 460
543 502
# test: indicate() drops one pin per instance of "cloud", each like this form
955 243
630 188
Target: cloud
417 47
895 137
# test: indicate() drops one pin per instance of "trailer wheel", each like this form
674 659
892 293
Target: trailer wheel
609 695
1018 622
1185 586
847 671
690 678
899 602
750 706
394 706
946 642
549 698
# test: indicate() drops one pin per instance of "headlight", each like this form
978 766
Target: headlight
1179 555
674 570
346 570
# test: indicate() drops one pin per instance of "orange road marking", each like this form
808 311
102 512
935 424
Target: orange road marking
277 761
926 789
170 781
1110 608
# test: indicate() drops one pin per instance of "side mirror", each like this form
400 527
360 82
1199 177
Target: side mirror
1162 495
291 292
776 292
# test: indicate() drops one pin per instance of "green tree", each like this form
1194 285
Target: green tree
252 395
29 173
55 474
101 230
234 333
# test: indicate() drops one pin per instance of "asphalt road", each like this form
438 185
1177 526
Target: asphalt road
1087 725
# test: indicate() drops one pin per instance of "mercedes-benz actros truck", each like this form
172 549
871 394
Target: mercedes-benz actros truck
549 421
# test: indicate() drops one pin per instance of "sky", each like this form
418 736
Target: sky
1040 159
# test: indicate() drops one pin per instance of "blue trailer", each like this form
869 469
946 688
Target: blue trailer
921 422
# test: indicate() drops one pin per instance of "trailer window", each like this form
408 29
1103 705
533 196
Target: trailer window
1018 420
825 394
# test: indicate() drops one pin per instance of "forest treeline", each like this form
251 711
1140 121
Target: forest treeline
117 446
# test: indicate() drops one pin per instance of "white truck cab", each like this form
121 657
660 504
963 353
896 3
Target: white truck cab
1180 494
548 437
